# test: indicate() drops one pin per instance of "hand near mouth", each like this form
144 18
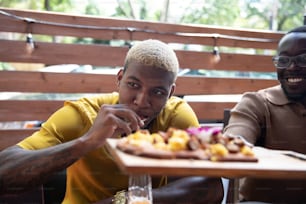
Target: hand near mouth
112 121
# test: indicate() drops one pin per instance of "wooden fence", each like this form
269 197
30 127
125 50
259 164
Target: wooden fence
241 51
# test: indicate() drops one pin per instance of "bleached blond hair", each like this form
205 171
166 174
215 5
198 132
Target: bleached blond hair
153 53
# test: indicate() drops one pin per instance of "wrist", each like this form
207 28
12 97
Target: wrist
119 197
89 142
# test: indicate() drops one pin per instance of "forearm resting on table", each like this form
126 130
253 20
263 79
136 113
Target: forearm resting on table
195 189
22 169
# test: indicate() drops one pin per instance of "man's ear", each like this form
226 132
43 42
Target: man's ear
172 89
119 76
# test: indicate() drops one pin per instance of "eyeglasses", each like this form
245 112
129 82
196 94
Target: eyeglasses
283 62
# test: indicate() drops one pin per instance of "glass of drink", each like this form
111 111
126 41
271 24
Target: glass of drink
140 189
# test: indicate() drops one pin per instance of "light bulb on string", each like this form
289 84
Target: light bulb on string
215 58
216 55
29 44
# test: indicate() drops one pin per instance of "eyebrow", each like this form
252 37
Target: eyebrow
156 87
134 78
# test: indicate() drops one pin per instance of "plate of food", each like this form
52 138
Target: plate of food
203 151
204 143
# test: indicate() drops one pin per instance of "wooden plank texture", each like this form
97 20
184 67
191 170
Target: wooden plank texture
27 110
112 28
27 81
109 56
259 49
10 137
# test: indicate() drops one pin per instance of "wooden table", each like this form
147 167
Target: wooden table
271 164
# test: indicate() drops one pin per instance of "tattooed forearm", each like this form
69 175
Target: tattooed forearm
23 169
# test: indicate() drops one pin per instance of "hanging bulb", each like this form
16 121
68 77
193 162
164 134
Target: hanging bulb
215 58
216 55
29 44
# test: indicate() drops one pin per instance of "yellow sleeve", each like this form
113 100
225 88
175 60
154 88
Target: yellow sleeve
183 116
64 125
71 121
178 114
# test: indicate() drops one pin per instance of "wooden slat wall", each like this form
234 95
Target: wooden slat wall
186 34
103 55
28 81
13 50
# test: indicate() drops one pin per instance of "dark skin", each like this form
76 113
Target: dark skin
293 78
143 93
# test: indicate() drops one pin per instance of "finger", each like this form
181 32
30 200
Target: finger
123 127
126 114
130 118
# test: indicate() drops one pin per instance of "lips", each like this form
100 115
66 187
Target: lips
145 116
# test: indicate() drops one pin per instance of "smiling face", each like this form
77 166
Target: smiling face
145 89
293 78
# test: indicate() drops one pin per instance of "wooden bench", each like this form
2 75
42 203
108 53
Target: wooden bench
241 51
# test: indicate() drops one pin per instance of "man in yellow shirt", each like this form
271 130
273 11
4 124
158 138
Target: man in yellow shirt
74 136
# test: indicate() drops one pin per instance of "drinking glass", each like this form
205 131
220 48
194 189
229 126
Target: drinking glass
140 189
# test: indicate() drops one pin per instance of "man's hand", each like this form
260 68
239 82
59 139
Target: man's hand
112 121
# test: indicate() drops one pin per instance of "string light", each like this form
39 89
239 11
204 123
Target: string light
215 53
29 38
30 46
132 29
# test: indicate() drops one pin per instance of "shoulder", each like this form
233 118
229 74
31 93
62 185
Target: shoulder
175 102
176 113
274 95
96 101
177 107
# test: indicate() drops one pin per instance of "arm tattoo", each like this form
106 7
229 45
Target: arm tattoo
22 169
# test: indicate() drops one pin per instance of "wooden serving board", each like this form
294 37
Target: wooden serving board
271 164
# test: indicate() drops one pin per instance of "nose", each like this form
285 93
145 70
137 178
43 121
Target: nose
142 100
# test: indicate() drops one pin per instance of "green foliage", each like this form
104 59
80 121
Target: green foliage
5 66
60 5
258 14
275 14
92 9
6 3
143 13
127 9
290 14
52 5
213 12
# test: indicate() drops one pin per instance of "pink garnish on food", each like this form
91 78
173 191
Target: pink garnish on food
204 133
199 130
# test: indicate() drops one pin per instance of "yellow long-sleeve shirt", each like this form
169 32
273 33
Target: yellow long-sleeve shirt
96 176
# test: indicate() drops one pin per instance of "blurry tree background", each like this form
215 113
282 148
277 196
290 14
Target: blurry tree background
277 15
